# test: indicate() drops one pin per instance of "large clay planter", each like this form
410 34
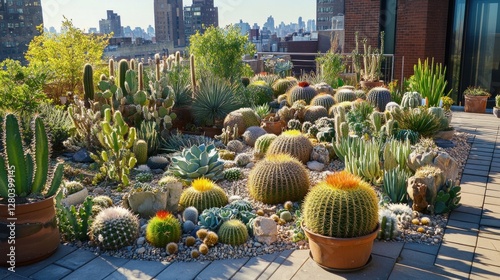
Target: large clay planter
275 127
36 232
370 85
475 104
341 253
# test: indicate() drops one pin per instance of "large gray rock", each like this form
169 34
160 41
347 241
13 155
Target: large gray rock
433 181
251 134
146 204
417 160
448 164
315 166
265 230
320 154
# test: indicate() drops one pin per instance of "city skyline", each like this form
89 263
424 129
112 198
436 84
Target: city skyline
86 14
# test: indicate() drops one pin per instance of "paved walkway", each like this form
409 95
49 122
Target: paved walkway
470 250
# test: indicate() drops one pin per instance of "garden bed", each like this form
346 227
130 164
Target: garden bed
430 234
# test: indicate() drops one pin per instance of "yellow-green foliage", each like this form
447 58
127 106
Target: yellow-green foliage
292 142
277 179
342 206
233 232
163 229
203 194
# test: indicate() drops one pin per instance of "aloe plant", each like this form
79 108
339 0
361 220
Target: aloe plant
27 174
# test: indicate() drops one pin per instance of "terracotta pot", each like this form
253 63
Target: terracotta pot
341 253
36 232
496 112
475 104
272 127
370 85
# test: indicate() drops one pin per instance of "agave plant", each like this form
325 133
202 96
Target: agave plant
214 100
421 121
196 162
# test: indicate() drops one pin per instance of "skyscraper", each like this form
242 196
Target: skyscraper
169 22
270 23
199 16
18 22
112 23
326 10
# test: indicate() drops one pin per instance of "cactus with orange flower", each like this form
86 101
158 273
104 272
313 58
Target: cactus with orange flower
163 229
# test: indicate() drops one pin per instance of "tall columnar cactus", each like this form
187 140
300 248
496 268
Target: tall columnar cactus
203 194
277 179
193 74
379 97
141 151
342 206
111 67
163 229
140 76
233 232
294 143
122 71
343 95
88 85
116 159
302 91
114 228
29 170
411 100
324 99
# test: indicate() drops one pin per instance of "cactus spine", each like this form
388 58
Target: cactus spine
88 84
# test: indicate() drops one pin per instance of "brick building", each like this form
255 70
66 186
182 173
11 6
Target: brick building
462 34
199 16
169 22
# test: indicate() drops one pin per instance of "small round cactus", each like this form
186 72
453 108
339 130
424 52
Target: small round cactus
294 143
233 232
203 194
286 216
144 177
343 95
190 214
163 229
188 226
241 205
235 146
243 159
195 254
262 144
141 151
313 113
288 205
172 248
202 233
72 187
233 174
294 124
278 178
203 249
103 201
324 99
114 228
211 239
190 241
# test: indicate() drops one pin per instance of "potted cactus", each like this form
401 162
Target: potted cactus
368 65
496 109
476 99
341 221
27 191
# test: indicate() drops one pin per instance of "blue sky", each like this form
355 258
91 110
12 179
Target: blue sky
87 13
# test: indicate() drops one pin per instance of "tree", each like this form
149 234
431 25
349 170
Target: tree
219 51
64 55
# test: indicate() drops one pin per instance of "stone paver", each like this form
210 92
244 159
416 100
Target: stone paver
135 269
52 271
99 267
255 267
291 265
482 271
76 259
182 270
222 269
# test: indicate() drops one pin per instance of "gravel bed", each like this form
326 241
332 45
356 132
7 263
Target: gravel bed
431 233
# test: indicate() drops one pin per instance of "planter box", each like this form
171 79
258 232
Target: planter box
475 104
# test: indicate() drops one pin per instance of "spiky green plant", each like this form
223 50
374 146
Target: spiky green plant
176 142
141 151
163 229
233 174
417 120
343 95
396 154
214 100
74 222
233 232
196 162
148 131
394 184
342 206
262 144
365 161
114 228
203 194
117 159
57 122
429 80
407 134
324 99
260 92
27 172
411 99
278 178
